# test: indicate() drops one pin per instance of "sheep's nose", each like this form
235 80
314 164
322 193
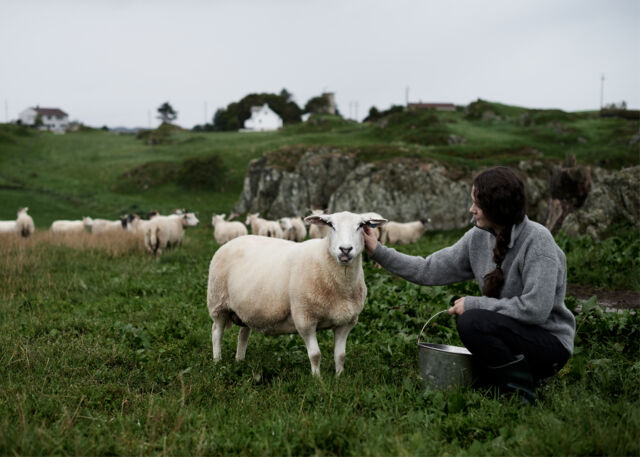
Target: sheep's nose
346 250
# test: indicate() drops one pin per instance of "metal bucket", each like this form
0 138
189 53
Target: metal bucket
443 366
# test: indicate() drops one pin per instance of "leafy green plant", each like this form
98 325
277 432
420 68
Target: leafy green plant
612 263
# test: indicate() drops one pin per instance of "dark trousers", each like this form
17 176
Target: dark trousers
495 339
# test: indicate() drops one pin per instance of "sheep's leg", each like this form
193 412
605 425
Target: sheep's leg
217 332
313 350
243 339
340 335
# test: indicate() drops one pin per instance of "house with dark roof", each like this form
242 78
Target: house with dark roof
262 119
434 106
53 119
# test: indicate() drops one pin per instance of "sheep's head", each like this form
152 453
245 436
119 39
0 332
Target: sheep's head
285 223
189 220
87 221
251 218
345 233
216 218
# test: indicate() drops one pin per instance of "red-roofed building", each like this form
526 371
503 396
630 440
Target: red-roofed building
434 106
53 119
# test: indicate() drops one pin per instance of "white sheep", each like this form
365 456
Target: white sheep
317 231
287 229
66 226
271 229
167 231
277 286
293 228
102 226
255 222
23 225
224 231
404 233
137 225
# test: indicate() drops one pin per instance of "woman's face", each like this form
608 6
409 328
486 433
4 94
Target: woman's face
476 212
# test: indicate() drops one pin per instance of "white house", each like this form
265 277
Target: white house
53 119
262 119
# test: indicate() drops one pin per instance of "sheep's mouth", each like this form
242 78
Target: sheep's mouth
344 258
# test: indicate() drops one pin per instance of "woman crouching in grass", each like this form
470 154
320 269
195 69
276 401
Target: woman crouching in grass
520 331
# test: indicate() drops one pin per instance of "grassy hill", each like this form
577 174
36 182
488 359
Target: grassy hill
102 174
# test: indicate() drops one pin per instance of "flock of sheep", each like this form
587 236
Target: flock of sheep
272 281
158 232
294 228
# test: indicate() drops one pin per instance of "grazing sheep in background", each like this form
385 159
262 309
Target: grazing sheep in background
224 231
404 233
276 286
271 229
288 229
300 229
23 225
318 231
293 228
167 231
64 226
101 226
255 222
137 225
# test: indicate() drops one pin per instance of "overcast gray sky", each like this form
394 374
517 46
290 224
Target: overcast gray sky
112 62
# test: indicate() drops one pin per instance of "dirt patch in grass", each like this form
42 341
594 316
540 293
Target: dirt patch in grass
617 299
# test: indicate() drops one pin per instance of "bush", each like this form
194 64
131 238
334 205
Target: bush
147 175
161 135
203 173
421 127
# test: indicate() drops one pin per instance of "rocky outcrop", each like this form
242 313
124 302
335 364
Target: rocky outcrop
614 197
275 192
405 189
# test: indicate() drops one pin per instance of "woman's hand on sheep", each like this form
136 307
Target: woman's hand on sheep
370 240
458 307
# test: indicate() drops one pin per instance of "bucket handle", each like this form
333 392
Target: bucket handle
427 323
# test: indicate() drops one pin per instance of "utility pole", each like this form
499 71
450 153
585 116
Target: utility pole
601 90
406 96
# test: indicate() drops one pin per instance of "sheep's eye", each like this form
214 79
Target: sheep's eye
330 225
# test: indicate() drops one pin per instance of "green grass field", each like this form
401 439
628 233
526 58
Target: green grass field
104 351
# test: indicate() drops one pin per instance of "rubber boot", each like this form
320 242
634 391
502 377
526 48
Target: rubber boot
515 377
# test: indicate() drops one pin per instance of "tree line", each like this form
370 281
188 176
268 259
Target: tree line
233 116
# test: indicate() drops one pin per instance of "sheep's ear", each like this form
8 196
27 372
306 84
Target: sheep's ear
317 219
377 222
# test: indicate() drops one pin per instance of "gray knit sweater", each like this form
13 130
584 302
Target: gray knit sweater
534 269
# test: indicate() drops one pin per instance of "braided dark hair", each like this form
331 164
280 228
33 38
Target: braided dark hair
499 193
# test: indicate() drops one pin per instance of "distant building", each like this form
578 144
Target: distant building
262 119
53 119
331 102
434 106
